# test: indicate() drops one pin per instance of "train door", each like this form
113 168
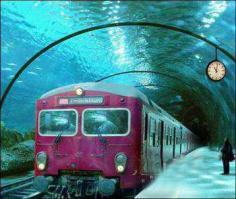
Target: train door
145 144
156 145
187 142
174 142
145 139
181 141
171 132
151 147
161 134
166 148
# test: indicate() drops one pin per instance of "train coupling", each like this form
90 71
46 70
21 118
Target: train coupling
41 183
107 187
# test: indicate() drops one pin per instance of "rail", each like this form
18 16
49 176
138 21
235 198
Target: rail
22 189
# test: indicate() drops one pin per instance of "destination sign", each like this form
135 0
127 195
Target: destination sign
83 100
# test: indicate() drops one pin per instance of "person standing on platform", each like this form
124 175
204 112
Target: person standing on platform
227 155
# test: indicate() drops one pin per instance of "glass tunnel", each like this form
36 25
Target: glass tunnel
204 106
158 47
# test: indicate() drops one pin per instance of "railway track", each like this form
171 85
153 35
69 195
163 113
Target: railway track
22 189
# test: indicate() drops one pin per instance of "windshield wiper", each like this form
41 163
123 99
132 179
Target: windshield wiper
57 139
101 138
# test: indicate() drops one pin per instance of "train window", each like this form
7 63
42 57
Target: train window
106 122
152 130
168 136
152 125
159 128
171 131
54 122
153 139
159 133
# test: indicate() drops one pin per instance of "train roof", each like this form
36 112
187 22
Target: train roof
117 89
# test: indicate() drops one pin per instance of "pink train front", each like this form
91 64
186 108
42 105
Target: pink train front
100 138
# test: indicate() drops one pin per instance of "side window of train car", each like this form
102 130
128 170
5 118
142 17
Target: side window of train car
152 132
154 138
167 135
171 133
177 138
180 136
159 133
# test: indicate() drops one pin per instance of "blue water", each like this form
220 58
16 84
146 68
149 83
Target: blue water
29 26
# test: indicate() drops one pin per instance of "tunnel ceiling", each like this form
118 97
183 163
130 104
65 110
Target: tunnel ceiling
182 88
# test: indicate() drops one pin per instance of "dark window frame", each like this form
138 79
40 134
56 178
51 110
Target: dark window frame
146 126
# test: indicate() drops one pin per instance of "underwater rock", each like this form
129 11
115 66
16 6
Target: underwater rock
9 137
29 135
17 151
17 158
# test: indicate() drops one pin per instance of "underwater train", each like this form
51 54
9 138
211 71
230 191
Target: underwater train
102 139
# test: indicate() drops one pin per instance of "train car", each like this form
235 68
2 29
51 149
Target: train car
102 138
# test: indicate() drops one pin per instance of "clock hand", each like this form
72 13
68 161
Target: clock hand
215 69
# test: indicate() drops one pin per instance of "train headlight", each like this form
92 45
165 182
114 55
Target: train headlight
120 162
41 166
41 160
120 168
79 91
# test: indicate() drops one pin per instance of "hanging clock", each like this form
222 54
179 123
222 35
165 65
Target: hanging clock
216 70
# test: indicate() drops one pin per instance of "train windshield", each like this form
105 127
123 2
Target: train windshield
106 122
54 122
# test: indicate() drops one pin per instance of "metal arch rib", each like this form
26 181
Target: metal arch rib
145 71
159 25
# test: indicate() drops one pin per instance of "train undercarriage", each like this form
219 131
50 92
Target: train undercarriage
80 186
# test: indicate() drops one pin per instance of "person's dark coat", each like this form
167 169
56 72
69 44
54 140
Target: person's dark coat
227 151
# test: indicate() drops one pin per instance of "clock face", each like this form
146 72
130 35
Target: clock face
216 70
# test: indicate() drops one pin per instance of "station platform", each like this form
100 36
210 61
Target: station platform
196 175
